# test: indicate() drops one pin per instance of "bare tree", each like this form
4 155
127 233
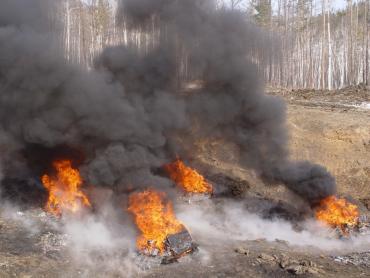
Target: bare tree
234 4
319 48
330 73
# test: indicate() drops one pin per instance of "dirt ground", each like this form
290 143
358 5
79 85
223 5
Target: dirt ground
330 129
333 129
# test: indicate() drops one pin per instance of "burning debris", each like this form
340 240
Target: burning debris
178 245
338 213
161 233
129 110
65 195
187 178
134 126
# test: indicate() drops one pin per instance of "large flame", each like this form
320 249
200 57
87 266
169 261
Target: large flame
337 212
64 189
155 219
188 179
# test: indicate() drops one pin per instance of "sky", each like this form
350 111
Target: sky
339 4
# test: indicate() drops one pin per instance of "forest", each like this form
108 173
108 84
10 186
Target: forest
310 44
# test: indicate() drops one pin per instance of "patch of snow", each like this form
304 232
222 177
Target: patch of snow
365 105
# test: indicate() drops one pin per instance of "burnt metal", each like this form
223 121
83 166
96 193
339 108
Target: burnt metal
178 245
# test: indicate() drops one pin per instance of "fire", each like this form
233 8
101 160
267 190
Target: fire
155 218
188 179
64 189
337 212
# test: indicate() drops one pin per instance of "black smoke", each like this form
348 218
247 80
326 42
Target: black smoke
127 115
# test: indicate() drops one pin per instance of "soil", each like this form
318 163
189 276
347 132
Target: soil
333 129
330 128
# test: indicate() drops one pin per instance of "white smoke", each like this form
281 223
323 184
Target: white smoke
96 242
231 221
98 247
104 241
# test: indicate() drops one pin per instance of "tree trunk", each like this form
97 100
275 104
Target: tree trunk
330 73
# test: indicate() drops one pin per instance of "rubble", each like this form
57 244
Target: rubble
357 259
295 269
242 250
266 257
298 267
292 266
52 243
346 97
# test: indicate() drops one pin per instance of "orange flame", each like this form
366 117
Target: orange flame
337 212
188 179
64 189
155 219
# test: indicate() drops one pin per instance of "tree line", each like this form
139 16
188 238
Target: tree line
316 46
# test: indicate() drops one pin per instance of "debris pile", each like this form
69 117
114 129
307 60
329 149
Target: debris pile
357 259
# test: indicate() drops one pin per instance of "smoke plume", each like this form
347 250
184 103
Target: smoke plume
127 115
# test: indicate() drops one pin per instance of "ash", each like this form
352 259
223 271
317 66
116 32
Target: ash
44 228
144 262
357 259
52 243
